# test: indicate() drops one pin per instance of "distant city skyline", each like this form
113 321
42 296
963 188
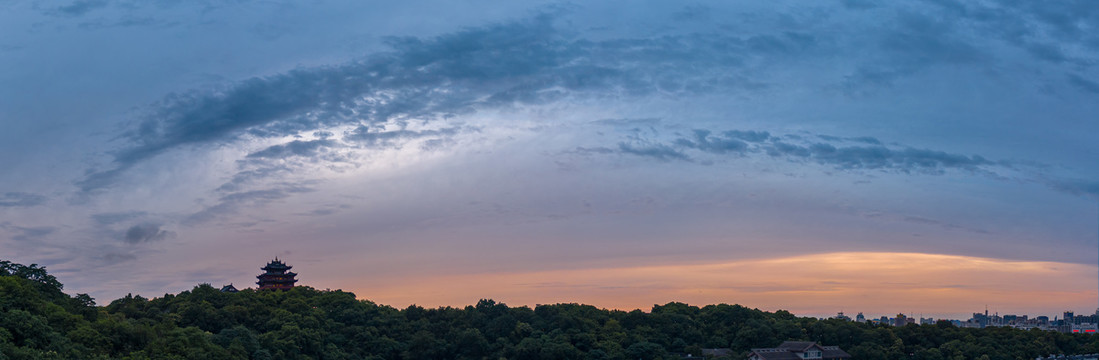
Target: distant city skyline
822 156
1066 322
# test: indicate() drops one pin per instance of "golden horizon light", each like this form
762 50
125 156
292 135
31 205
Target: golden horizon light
875 283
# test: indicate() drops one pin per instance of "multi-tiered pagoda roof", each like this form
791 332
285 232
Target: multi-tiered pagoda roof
277 275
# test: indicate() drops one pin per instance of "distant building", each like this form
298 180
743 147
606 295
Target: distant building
722 353
860 318
229 288
841 316
798 350
1067 322
979 320
1071 357
900 320
276 276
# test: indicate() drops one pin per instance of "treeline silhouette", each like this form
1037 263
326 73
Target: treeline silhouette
39 321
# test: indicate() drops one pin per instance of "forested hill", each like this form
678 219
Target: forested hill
39 321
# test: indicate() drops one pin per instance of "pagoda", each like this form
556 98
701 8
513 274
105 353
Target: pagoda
276 276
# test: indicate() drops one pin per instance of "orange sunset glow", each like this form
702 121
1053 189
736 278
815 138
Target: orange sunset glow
817 284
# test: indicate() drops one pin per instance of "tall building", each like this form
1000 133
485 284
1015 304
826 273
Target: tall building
276 276
1067 321
979 320
860 318
900 320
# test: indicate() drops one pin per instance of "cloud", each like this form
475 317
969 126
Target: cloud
293 148
230 203
944 225
833 151
143 233
957 33
78 8
116 217
912 43
31 233
591 150
21 199
369 103
526 62
861 139
244 177
694 12
881 157
1042 30
325 211
1083 84
656 151
859 4
628 122
373 138
727 143
126 22
119 257
779 148
1078 187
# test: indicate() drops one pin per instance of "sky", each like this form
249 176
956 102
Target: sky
926 157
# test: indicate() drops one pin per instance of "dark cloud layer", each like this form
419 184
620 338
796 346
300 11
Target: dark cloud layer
656 151
112 218
143 233
31 233
1078 187
78 8
21 199
832 151
370 138
533 62
526 62
729 142
1042 29
230 203
1084 84
913 43
293 148
881 157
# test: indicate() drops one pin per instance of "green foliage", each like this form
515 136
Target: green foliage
39 321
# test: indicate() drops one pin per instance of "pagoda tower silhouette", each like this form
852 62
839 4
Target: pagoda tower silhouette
276 276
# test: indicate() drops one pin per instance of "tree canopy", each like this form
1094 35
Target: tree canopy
39 321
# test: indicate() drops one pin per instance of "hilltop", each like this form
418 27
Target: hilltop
39 321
